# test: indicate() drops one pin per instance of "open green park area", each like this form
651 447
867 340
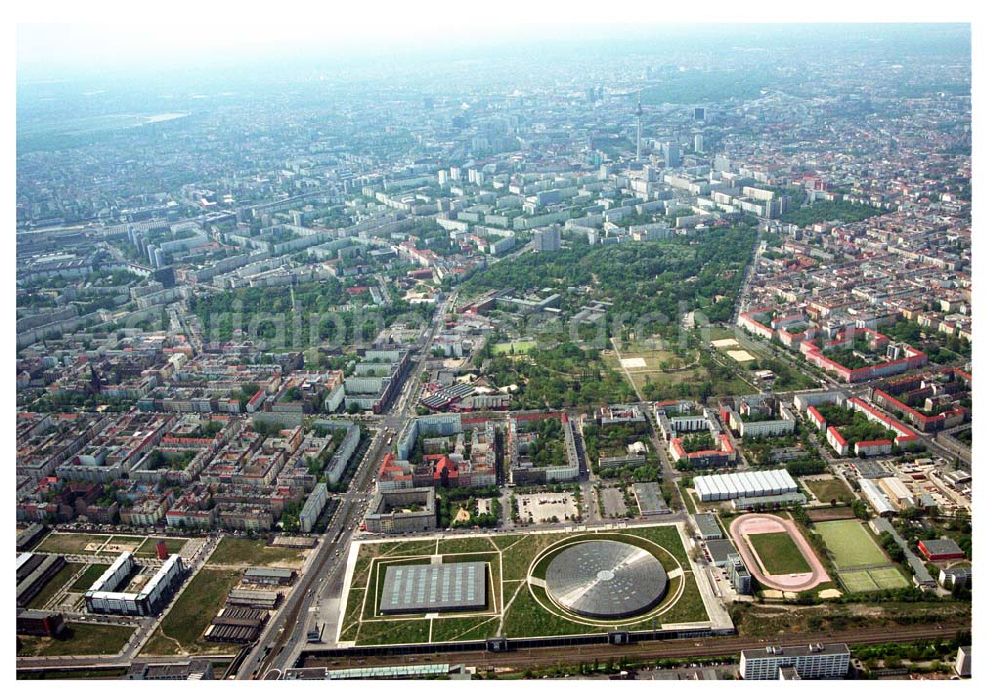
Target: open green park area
91 544
559 376
255 552
181 631
648 287
778 553
830 489
89 576
149 547
57 542
823 211
514 347
78 639
702 377
518 605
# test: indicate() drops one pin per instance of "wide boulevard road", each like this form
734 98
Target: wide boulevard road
278 645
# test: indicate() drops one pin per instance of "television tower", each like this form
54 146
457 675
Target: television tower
638 127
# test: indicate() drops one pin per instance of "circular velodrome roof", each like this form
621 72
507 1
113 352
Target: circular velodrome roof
606 580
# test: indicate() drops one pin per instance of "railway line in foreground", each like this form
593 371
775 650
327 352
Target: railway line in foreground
707 647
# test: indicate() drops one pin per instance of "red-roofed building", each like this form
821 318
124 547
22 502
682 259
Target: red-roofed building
940 550
816 418
837 441
725 455
924 423
873 447
912 359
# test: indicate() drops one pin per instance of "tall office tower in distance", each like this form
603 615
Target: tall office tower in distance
699 143
638 127
672 153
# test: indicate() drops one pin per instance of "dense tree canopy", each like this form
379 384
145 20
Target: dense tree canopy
702 271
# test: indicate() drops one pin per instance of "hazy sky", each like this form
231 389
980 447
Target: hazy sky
56 39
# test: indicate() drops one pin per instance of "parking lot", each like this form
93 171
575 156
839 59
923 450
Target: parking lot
613 503
542 507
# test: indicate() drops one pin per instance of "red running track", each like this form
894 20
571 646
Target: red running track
745 525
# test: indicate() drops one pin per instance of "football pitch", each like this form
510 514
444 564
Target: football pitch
850 544
860 562
778 553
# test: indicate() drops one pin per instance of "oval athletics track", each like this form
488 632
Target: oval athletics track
746 525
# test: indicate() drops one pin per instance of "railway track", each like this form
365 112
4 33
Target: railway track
651 650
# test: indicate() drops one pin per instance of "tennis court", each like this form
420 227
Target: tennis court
887 578
858 581
861 564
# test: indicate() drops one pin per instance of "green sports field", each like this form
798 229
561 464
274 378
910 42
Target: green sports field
850 544
872 579
888 577
861 564
778 553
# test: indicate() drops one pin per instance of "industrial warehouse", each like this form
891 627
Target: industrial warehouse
33 571
730 486
235 624
106 596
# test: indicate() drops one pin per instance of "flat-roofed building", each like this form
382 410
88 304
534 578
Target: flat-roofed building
963 662
728 486
436 587
815 661
30 535
39 622
189 670
404 510
757 503
269 576
719 550
955 577
709 527
34 570
649 498
940 549
313 507
103 597
738 574
259 599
